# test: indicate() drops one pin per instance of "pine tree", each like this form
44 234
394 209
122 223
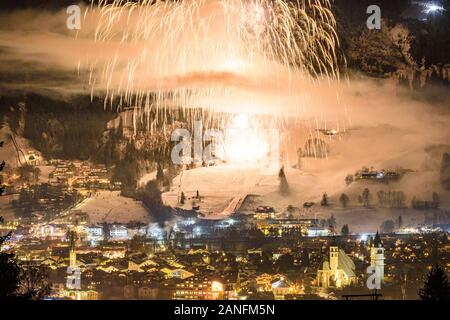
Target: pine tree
436 200
159 173
436 286
9 267
344 199
9 274
400 222
324 202
345 230
349 179
182 198
106 229
119 132
366 197
332 223
284 186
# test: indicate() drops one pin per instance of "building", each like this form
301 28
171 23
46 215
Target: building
94 232
176 273
282 287
147 293
377 257
72 237
140 263
112 251
278 227
81 294
33 158
338 272
50 231
119 233
200 288
318 232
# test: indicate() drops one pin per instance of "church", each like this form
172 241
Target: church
338 271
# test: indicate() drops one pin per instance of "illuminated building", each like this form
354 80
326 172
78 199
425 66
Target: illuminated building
198 288
147 293
81 294
73 249
278 227
318 232
95 232
119 232
264 282
377 256
176 273
282 287
33 158
50 231
113 252
140 263
338 272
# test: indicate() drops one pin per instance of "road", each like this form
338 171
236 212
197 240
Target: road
233 205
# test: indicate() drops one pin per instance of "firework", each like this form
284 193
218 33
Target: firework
207 53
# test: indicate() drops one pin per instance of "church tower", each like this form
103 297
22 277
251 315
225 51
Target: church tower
72 253
72 258
334 257
377 256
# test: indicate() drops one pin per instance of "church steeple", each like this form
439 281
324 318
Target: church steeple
72 237
377 256
377 241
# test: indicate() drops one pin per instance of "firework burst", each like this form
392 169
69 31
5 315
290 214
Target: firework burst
204 53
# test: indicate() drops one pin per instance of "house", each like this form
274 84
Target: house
137 229
147 293
33 158
52 263
129 292
115 266
87 260
113 252
176 273
119 233
95 232
200 288
81 294
318 232
282 287
140 263
51 230
264 282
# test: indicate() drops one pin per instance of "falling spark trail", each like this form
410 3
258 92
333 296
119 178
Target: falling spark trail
198 54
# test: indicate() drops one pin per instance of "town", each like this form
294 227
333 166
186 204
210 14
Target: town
247 255
224 150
